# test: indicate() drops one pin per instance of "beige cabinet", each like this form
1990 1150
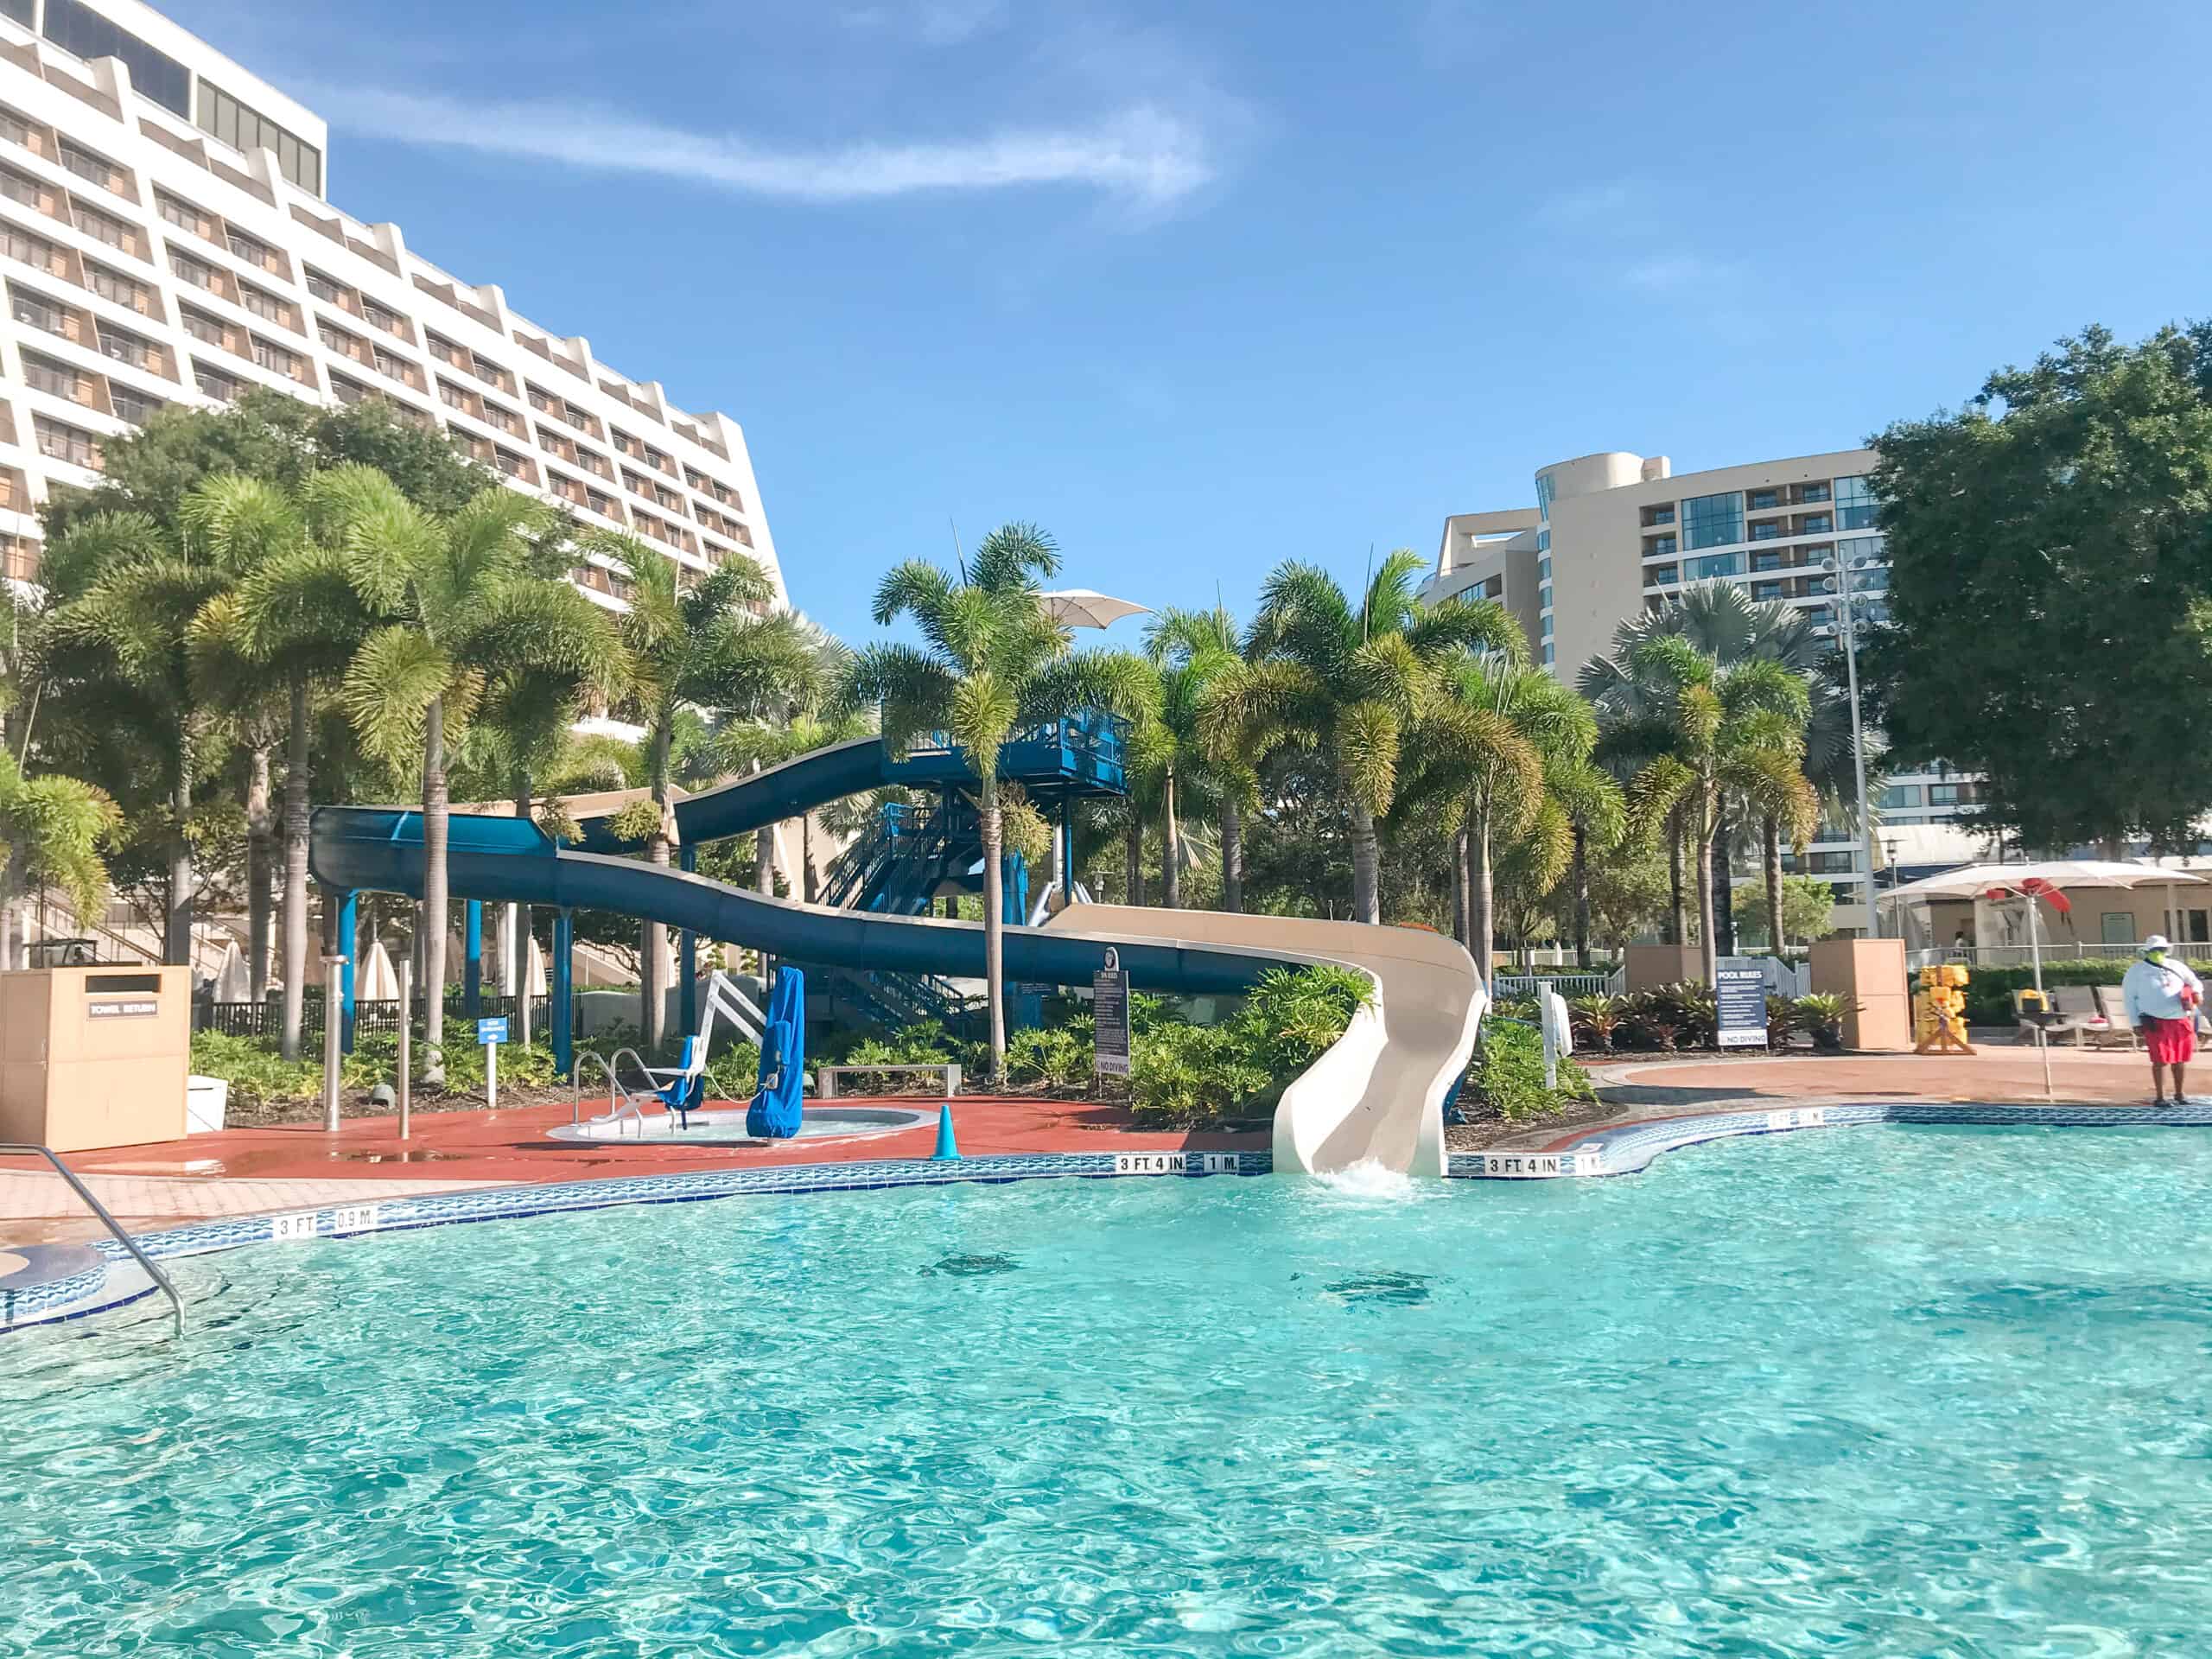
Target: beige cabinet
94 1057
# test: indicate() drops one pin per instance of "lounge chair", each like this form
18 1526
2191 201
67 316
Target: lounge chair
2112 1003
2080 1005
2058 1024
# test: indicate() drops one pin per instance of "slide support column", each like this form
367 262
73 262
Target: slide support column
687 960
564 1009
472 973
349 929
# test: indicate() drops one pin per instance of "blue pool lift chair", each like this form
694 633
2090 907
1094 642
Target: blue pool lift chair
682 1088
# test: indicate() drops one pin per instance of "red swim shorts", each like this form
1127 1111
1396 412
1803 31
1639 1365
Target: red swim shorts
2171 1042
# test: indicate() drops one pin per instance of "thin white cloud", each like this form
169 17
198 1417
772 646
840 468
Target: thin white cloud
1677 273
1144 153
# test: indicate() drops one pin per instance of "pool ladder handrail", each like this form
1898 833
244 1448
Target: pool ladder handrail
577 1082
628 1107
25 1148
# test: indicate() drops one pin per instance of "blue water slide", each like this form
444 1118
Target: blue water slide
510 861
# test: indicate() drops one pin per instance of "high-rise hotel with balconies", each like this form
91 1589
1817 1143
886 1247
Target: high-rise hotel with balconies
1614 534
165 236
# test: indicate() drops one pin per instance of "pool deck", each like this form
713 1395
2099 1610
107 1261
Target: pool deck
253 1171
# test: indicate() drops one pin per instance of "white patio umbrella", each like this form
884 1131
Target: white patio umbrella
1086 607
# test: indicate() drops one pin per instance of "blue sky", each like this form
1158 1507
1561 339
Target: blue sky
1204 286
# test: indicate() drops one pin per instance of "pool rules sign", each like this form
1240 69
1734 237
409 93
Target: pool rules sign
1109 1006
1742 998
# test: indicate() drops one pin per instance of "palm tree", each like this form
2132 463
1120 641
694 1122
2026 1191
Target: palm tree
1711 732
51 831
1348 681
991 662
295 612
128 593
1492 749
1191 651
456 600
710 646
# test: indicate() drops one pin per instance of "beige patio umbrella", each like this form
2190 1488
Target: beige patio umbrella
1086 607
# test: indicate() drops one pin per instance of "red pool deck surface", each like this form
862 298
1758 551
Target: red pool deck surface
255 1171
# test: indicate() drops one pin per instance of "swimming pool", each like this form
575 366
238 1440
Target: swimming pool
1882 1391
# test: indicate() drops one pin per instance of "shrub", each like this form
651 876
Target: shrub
925 1043
1508 1074
1293 1015
258 1075
1596 1019
1183 1076
1821 1013
1057 1057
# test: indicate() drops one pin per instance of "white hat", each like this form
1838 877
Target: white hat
2156 942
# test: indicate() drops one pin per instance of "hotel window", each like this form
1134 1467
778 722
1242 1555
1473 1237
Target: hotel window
505 419
1953 794
55 379
132 405
17 187
118 289
1544 628
1769 562
338 340
392 364
1713 520
69 443
277 360
490 373
1760 501
452 396
378 317
1813 492
213 383
130 348
265 305
349 391
78 28
28 249
36 311
197 272
323 288
1548 654
1719 565
1659 547
1898 795
14 128
1770 532
1765 590
92 168
1818 524
1855 506
185 216
543 401
1862 547
1544 498
1544 569
255 253
203 327
107 228
1665 575
248 129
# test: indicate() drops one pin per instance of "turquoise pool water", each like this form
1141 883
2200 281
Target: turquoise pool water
1867 1392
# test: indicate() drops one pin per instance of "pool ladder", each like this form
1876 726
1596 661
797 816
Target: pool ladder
28 1148
622 1104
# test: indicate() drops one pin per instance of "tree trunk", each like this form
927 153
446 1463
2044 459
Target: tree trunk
1581 897
1723 887
260 847
1459 928
1482 921
808 885
176 922
1678 916
1232 856
652 967
1709 940
518 925
764 859
1133 848
1170 848
294 925
1367 868
1771 860
993 927
430 921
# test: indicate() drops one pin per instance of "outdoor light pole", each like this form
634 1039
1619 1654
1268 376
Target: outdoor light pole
1840 583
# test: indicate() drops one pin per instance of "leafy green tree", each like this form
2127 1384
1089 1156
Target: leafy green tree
713 646
990 663
1808 907
2050 590
456 601
1347 680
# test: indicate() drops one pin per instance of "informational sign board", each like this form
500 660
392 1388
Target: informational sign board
1179 1163
1109 1006
134 1007
492 1031
1742 997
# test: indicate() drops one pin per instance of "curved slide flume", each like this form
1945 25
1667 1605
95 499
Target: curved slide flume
1377 1095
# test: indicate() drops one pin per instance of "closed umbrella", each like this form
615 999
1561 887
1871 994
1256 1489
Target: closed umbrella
233 982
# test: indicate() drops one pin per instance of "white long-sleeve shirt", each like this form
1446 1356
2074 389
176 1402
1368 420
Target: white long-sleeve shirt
2154 990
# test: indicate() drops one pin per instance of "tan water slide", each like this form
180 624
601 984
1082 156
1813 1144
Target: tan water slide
1378 1094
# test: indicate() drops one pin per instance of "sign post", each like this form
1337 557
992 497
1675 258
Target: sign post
491 1033
1741 998
1110 1008
406 1032
334 967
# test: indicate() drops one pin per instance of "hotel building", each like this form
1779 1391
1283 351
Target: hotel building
166 238
1615 533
